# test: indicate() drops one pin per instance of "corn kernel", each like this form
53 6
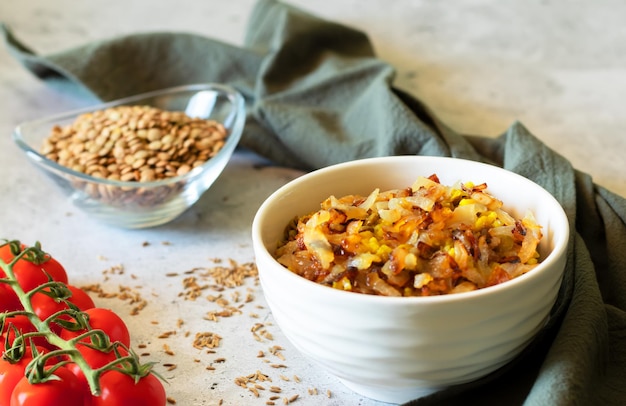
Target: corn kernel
486 220
343 284
373 244
383 251
465 201
455 193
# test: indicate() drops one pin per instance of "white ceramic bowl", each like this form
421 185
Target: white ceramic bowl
395 349
142 204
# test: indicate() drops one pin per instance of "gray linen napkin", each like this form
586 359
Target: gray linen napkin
317 95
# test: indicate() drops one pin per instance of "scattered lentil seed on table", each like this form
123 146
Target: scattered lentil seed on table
228 275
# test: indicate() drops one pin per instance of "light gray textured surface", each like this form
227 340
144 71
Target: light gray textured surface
557 67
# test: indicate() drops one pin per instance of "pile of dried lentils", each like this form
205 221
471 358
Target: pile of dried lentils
134 143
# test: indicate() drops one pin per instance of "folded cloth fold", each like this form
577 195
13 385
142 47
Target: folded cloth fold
317 95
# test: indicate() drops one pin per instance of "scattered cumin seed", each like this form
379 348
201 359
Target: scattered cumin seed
171 400
206 340
168 350
275 351
288 400
211 316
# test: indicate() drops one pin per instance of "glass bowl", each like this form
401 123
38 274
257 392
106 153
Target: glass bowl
134 204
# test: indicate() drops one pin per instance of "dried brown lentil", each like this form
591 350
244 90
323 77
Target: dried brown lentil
133 144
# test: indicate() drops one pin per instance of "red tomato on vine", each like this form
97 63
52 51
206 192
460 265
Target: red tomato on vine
120 389
12 371
105 320
8 299
20 324
62 391
95 359
45 306
34 267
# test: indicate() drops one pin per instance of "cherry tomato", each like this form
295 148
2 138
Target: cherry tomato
12 372
56 271
95 359
23 325
29 275
105 320
8 299
6 254
64 391
50 266
45 306
32 274
119 389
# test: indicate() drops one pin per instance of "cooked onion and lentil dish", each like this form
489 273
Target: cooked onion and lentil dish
425 240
